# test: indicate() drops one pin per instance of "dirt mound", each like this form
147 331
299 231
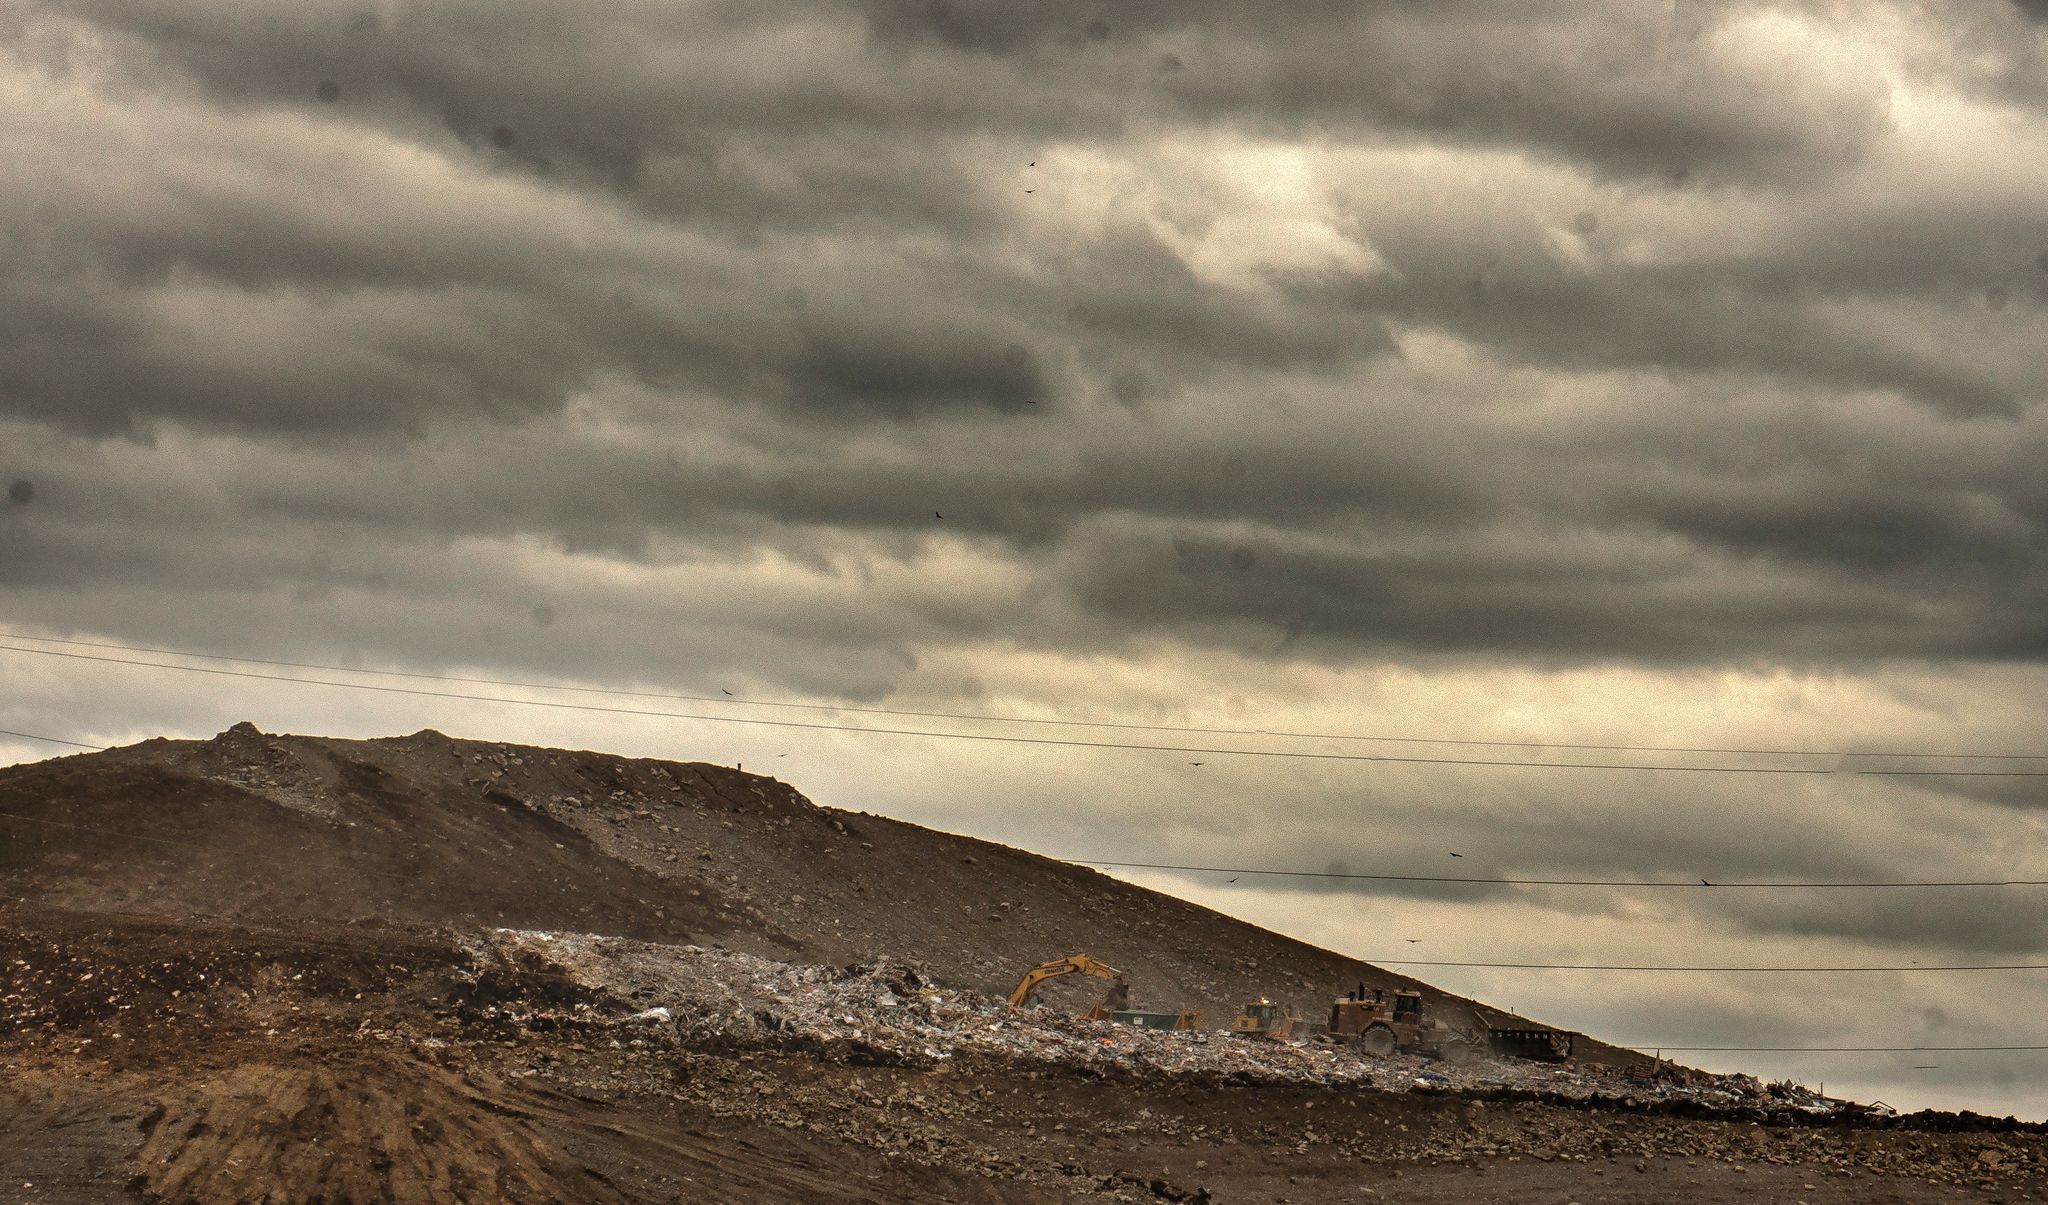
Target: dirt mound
382 1128
409 1067
427 829
224 1010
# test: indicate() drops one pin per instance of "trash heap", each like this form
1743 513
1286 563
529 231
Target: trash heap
705 996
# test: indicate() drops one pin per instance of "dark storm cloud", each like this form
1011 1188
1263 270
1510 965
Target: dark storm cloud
1628 87
1993 49
1695 322
1605 371
199 261
102 359
1182 401
873 121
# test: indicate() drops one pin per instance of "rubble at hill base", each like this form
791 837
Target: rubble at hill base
302 1000
700 996
376 1063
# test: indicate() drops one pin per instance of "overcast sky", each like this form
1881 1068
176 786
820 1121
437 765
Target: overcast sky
1625 372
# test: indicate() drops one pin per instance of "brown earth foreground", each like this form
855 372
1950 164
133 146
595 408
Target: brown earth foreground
430 970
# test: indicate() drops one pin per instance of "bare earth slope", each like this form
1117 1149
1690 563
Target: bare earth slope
425 828
270 969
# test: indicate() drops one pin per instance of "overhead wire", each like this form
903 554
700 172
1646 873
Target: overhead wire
1661 1047
1802 970
54 740
1481 880
733 700
1478 880
1772 970
1692 884
1060 742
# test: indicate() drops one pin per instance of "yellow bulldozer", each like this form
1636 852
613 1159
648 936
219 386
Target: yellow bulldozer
1261 1018
1380 1022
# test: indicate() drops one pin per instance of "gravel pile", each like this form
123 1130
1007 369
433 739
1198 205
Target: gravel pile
893 1013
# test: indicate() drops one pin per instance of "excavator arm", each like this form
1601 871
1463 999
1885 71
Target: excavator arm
1073 964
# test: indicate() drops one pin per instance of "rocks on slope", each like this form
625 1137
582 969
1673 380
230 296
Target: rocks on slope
427 828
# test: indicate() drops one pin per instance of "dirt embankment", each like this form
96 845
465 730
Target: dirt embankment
155 1060
429 829
273 969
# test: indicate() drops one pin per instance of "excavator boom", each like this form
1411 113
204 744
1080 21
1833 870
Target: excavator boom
1072 964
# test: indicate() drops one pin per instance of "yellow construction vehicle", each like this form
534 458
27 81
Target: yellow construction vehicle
1381 1022
1262 1018
1025 995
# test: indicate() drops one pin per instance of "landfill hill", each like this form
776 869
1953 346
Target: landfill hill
264 969
429 829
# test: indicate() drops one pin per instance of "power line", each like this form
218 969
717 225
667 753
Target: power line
1412 962
55 740
1774 970
980 736
1658 1046
1428 878
1694 884
1005 719
1717 884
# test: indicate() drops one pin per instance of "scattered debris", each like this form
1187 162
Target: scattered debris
723 996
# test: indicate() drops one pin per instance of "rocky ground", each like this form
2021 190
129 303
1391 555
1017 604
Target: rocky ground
289 969
430 829
151 1060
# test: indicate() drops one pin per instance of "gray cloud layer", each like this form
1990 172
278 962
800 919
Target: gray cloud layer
805 225
1614 368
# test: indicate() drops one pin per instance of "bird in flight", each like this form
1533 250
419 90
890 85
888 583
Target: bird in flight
1194 763
1456 854
1704 883
722 690
1231 879
1029 191
1413 941
937 515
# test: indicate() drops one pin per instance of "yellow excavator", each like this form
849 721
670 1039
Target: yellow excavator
1116 1006
1025 994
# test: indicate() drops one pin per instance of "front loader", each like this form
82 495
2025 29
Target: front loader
1380 1023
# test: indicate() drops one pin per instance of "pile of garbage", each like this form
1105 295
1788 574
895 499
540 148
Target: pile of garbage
701 996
